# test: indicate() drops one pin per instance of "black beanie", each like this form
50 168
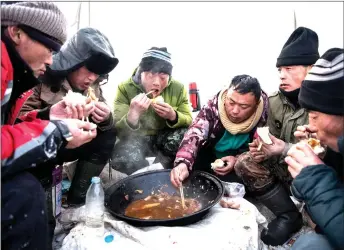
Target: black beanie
323 88
300 49
157 60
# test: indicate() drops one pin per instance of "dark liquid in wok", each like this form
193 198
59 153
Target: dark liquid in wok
162 206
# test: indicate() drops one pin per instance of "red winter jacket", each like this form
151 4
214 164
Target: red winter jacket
32 141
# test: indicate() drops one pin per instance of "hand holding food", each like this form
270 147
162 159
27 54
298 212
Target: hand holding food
138 105
257 155
74 104
101 112
163 109
305 132
302 155
268 143
224 165
79 136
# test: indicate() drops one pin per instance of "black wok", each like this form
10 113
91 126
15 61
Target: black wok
204 187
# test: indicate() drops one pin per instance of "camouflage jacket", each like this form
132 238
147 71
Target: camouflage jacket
206 130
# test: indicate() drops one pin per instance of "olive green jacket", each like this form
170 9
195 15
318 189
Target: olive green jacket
284 118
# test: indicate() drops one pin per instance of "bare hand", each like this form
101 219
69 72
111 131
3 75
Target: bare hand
299 157
257 155
276 148
230 162
82 132
101 112
179 174
305 132
61 110
165 111
229 204
138 105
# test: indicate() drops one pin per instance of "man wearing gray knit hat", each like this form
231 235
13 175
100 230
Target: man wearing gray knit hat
30 32
41 21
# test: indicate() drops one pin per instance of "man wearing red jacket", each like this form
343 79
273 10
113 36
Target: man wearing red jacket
26 50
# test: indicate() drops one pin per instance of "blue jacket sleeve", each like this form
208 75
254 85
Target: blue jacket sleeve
319 187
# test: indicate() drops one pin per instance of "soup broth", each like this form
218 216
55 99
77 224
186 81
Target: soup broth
162 206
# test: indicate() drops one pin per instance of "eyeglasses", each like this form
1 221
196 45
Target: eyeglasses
103 79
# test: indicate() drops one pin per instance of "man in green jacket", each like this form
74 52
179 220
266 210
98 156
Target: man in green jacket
148 125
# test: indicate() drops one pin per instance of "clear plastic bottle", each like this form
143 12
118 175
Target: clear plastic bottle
95 204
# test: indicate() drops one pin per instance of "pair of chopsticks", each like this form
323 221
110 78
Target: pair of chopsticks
87 120
181 190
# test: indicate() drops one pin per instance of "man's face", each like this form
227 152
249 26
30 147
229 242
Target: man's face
327 127
35 54
154 81
292 76
82 78
239 107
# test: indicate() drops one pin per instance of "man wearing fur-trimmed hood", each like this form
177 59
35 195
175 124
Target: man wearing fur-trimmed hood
84 62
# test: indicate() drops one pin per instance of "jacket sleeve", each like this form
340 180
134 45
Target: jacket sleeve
197 134
121 109
33 106
319 187
26 144
183 111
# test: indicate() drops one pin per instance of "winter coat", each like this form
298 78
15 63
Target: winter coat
206 130
150 123
32 141
323 193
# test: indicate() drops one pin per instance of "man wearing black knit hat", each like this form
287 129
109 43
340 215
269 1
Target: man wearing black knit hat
285 115
315 182
152 112
298 55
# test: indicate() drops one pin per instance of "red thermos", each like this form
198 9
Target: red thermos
193 95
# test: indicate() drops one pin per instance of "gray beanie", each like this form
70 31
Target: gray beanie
44 17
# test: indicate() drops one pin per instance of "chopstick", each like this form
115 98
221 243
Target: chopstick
182 196
150 92
260 146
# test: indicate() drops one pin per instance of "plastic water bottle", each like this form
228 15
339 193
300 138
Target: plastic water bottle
95 204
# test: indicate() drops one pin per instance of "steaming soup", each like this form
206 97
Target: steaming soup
161 206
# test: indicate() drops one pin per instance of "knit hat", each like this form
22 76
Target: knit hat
42 21
157 60
323 88
300 49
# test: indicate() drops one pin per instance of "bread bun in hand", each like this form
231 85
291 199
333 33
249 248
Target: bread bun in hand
158 99
263 133
217 164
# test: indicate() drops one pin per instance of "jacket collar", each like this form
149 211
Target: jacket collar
24 78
